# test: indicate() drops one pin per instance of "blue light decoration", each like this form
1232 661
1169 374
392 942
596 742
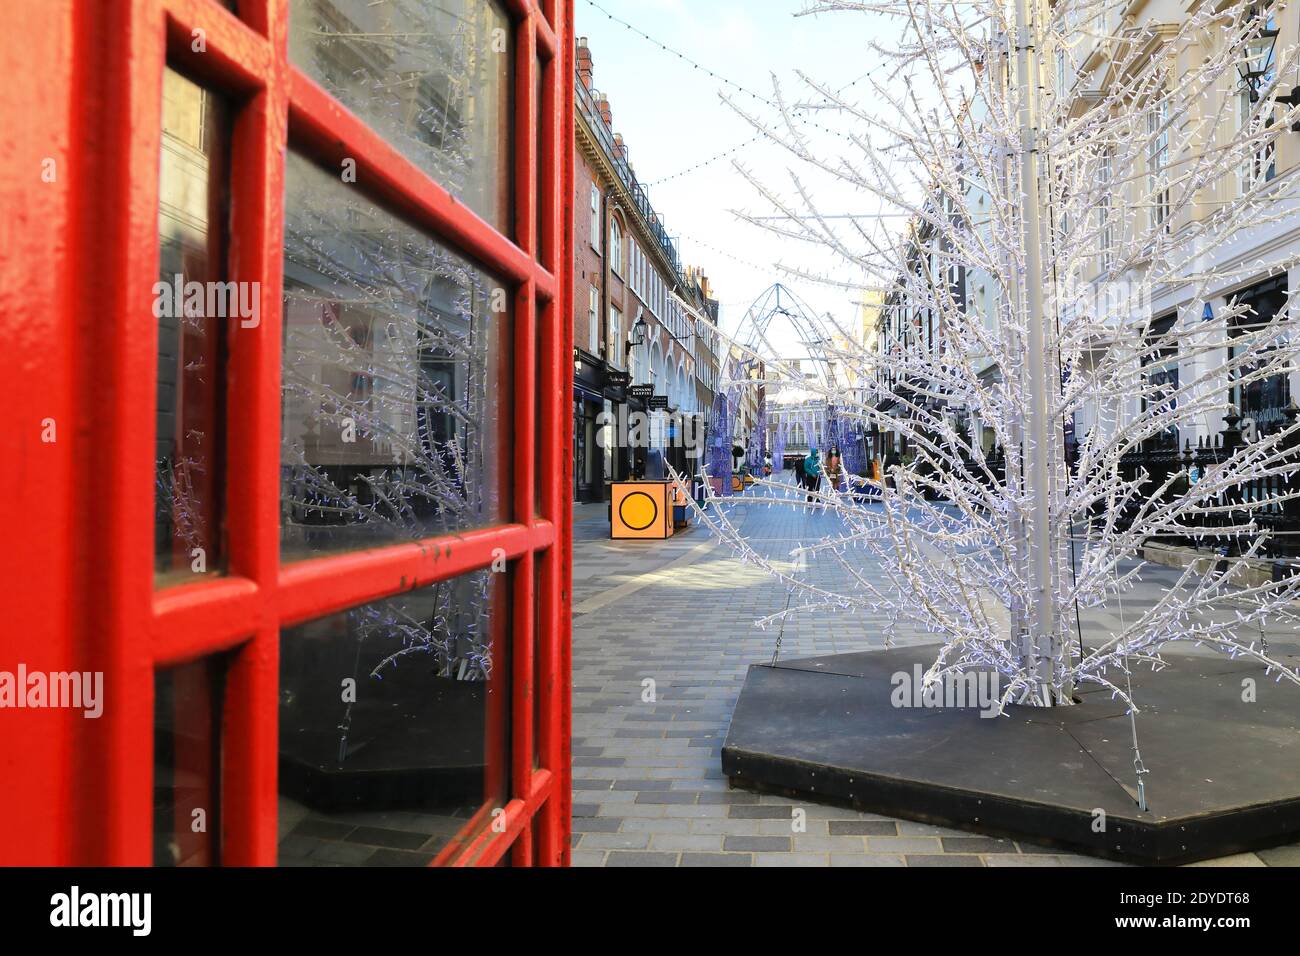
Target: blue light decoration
852 452
718 454
1207 313
828 431
758 442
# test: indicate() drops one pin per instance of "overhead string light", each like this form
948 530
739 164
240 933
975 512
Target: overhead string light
767 101
754 139
681 56
757 137
710 161
722 252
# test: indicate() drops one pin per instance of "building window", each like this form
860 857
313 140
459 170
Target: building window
593 321
595 218
1158 163
1254 122
615 247
1261 165
615 337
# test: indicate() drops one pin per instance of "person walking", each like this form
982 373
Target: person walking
812 468
834 469
800 478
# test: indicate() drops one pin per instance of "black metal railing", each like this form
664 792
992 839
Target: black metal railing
1259 503
1217 525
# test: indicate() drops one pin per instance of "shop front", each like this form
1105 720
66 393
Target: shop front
588 440
291 336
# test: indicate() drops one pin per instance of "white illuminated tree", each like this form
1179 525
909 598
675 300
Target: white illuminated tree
1078 211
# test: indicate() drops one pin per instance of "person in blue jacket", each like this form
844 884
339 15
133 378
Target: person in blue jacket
812 469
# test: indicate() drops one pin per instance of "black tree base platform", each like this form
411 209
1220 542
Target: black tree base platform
1224 771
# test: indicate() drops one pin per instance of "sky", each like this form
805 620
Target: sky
672 118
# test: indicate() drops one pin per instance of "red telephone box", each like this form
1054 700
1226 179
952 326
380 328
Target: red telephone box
286 294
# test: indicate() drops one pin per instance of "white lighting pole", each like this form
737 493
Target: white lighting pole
1040 645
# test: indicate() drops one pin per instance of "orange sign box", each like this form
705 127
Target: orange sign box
640 510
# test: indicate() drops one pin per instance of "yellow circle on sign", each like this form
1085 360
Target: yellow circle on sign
638 511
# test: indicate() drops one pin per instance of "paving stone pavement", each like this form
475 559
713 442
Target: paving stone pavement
656 673
363 838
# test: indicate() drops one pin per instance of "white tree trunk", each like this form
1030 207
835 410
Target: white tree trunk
1040 647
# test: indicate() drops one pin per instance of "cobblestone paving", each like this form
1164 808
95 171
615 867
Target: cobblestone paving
663 634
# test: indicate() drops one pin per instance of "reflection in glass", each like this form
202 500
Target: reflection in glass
395 421
191 204
393 726
187 758
433 79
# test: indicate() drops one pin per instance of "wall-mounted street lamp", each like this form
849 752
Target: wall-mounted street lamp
638 336
1258 61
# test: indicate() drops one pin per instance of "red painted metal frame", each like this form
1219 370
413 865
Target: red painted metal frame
81 791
